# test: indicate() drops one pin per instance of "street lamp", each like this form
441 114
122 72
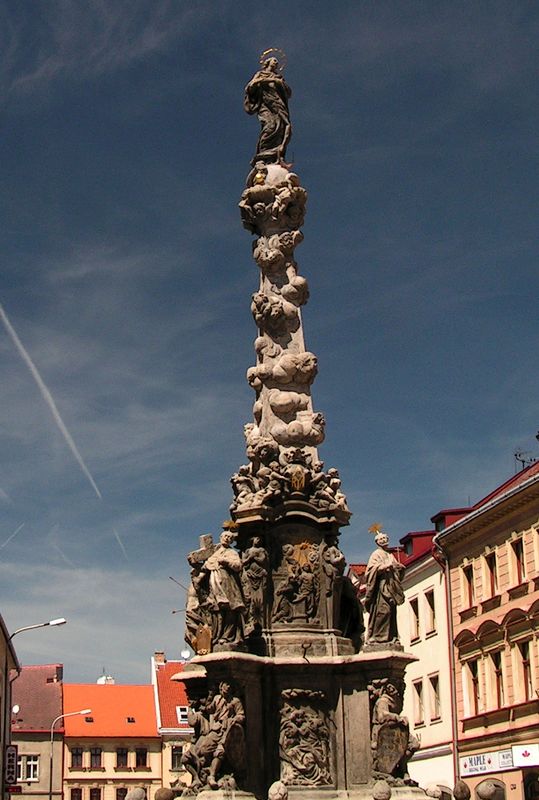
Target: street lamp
6 721
51 623
51 752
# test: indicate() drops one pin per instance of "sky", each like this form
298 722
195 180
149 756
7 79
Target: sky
126 279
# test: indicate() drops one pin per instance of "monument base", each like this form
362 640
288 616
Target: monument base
309 721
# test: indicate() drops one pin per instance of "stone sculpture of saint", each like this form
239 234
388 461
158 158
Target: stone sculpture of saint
383 593
266 95
225 597
254 579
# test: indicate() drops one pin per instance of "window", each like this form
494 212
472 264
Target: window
176 758
121 793
492 575
519 566
95 793
434 691
497 674
419 713
430 611
141 757
524 653
95 758
76 757
468 593
130 719
414 619
181 714
121 757
472 669
27 768
75 793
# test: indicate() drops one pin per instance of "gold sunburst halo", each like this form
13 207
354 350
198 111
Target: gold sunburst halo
376 527
275 52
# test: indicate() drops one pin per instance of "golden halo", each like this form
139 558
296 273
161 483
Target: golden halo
274 52
375 528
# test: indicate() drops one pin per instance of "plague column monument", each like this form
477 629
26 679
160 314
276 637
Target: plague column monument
282 686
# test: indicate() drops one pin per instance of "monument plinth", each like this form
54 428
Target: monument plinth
280 687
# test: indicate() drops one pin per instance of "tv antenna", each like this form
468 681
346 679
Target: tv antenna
524 458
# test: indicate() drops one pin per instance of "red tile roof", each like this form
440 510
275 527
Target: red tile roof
38 693
170 694
111 705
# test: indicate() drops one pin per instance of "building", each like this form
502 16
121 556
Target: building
172 706
423 630
113 748
492 552
37 702
10 669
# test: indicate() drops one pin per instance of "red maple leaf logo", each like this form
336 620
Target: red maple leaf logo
526 754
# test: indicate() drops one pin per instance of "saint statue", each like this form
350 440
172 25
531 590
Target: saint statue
225 598
266 95
384 593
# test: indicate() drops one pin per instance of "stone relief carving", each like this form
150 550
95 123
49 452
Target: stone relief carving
278 204
285 402
266 95
296 290
217 756
304 738
383 593
297 594
392 744
306 429
273 253
254 579
273 314
299 368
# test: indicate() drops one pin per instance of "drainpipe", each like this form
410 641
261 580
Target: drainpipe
443 559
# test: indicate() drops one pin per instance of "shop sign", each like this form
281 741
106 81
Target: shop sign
493 761
525 755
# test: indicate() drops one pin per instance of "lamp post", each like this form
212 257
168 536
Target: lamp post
6 720
51 752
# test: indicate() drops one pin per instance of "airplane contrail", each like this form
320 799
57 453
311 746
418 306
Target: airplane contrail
117 535
48 398
9 538
63 555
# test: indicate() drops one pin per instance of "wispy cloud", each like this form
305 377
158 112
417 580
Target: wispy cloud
48 398
78 40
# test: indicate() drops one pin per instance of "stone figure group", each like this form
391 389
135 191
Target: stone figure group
225 598
272 477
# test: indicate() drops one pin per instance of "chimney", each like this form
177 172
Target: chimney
159 657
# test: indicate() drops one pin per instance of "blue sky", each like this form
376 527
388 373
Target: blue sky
127 277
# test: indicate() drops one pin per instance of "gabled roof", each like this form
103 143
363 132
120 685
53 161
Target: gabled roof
513 492
111 706
38 693
170 694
